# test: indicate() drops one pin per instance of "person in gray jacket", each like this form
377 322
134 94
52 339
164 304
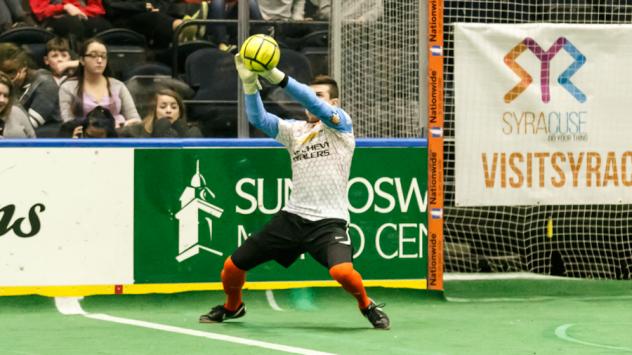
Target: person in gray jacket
14 123
35 89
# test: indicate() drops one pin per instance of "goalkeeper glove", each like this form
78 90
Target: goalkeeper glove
274 76
248 78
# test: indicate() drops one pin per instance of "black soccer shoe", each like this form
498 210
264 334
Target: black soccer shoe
376 316
219 314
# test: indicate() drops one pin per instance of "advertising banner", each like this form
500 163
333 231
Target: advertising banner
542 114
194 207
66 216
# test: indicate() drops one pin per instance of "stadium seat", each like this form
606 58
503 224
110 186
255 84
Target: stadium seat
214 105
296 65
315 47
181 51
318 38
32 39
150 68
126 49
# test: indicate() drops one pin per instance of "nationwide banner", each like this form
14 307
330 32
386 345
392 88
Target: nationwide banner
542 114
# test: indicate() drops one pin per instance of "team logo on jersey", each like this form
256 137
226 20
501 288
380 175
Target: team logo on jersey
335 119
195 208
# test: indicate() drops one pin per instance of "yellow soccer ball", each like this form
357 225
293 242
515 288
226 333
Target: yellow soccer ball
260 53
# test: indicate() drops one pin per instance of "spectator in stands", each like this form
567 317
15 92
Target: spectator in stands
227 9
14 122
358 10
151 19
321 9
58 59
12 15
167 119
36 89
76 19
282 9
99 123
91 87
285 10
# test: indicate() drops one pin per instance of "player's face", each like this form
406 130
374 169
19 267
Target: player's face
167 107
322 91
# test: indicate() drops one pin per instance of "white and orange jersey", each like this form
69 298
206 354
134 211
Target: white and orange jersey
320 153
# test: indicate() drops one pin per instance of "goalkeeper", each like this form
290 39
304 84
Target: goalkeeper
316 218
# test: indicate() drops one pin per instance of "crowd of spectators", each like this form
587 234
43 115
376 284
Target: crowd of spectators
70 90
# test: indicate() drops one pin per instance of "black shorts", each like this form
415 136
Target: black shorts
286 236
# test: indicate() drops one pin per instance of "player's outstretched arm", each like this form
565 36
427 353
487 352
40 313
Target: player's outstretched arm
257 115
330 115
300 92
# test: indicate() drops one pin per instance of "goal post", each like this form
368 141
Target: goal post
435 144
380 59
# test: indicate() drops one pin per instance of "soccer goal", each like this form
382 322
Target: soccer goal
520 131
378 58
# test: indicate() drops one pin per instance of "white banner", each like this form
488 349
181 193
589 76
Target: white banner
543 114
67 216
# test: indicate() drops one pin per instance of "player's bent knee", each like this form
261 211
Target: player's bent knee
341 272
230 266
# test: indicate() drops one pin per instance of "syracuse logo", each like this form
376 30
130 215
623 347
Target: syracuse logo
545 58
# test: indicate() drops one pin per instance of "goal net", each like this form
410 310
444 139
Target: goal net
575 240
377 58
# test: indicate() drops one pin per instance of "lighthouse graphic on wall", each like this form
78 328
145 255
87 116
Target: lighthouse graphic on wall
196 208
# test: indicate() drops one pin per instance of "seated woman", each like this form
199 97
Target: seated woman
167 119
14 123
91 87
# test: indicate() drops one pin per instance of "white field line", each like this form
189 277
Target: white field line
455 276
272 301
71 306
560 332
538 299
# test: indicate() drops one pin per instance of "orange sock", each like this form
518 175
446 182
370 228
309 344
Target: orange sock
233 279
351 281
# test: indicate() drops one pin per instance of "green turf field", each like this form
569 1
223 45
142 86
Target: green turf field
475 317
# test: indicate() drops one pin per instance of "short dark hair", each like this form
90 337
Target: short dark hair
57 44
329 81
100 117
